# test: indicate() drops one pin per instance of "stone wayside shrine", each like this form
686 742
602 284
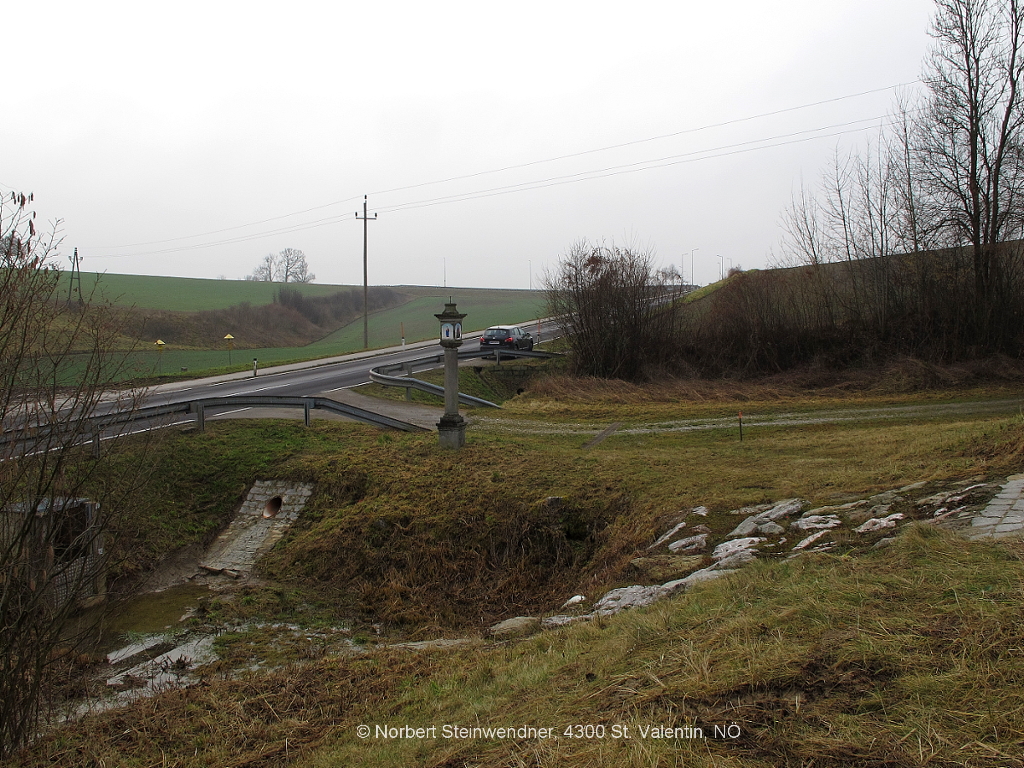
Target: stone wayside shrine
451 429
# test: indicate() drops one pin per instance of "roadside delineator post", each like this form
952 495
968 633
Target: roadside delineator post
451 429
741 426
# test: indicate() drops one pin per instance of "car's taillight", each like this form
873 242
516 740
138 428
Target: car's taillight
509 339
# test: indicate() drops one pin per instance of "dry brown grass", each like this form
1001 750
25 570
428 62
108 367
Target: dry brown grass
901 376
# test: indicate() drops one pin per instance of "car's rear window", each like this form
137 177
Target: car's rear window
496 333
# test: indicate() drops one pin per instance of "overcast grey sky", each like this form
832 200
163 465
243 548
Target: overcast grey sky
192 138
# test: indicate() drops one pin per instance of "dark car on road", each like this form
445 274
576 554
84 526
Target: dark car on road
505 337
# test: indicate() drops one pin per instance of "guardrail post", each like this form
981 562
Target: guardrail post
95 442
200 417
307 408
407 367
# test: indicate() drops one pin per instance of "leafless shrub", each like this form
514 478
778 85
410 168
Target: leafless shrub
615 311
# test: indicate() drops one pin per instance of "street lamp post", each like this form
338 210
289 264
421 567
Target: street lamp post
693 282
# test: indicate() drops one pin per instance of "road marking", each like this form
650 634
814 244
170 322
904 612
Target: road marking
225 413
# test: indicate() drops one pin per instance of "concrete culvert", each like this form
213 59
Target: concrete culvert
272 507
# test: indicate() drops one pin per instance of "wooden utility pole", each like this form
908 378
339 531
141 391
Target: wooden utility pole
366 313
76 277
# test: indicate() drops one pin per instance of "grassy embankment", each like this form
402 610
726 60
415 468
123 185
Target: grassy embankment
415 314
908 656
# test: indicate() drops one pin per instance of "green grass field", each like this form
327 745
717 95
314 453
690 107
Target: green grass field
483 307
906 657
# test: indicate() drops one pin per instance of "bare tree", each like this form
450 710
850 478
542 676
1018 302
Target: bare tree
56 498
293 267
289 266
949 176
614 309
968 140
266 271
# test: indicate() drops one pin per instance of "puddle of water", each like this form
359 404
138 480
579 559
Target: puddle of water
147 614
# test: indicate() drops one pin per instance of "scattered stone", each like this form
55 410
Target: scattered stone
551 622
913 487
809 540
554 502
883 543
771 529
626 597
700 529
735 560
941 514
879 523
574 600
696 543
520 626
772 513
783 509
666 536
744 529
727 548
753 511
814 522
702 511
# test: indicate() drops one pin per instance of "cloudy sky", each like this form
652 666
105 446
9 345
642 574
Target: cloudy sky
192 138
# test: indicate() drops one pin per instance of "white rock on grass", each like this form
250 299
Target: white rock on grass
520 626
816 522
626 597
879 523
574 600
666 536
679 585
696 543
727 548
766 516
783 509
810 540
735 560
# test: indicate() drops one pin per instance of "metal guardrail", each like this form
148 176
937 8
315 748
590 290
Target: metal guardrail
381 374
308 404
92 428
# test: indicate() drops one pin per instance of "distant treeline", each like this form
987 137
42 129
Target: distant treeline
623 320
291 320
857 312
337 308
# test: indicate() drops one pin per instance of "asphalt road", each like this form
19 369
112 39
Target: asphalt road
317 377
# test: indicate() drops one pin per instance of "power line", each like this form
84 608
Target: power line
636 167
476 174
642 165
674 134
230 229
